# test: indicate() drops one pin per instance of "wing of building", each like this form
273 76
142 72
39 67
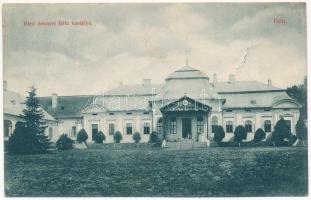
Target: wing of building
13 106
187 105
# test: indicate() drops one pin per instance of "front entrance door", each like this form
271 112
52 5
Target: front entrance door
186 128
94 130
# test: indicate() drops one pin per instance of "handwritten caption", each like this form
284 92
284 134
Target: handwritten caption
279 21
59 23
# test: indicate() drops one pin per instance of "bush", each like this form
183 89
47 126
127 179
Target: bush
136 137
259 135
281 131
22 141
219 134
301 130
82 136
240 134
99 137
117 137
64 142
154 137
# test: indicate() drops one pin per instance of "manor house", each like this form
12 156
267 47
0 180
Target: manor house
187 106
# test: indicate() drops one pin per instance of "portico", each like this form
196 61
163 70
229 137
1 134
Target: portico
185 118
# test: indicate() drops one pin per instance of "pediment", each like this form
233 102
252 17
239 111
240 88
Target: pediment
93 108
185 104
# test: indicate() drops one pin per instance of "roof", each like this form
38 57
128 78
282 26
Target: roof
243 86
13 104
67 106
253 100
146 89
187 72
194 88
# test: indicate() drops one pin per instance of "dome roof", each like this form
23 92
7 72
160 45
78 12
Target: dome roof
187 81
187 72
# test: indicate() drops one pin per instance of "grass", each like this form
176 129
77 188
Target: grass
145 171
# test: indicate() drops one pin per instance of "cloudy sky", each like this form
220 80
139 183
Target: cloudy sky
129 42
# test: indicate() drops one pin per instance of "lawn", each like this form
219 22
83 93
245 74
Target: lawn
151 171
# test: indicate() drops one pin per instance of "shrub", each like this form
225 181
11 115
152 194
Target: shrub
240 134
99 137
64 142
117 137
136 137
259 135
21 141
153 137
281 131
82 136
219 134
301 130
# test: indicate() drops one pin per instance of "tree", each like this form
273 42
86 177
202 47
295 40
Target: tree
82 136
21 141
117 137
153 137
64 142
219 134
299 93
301 130
259 135
136 137
34 127
99 137
281 131
240 134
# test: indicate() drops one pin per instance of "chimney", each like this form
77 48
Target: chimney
269 82
54 100
146 82
214 78
231 78
5 85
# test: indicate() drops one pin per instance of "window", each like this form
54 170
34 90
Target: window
248 110
267 126
94 113
146 113
229 127
111 113
228 110
288 123
248 126
173 126
50 132
214 123
253 101
62 107
267 110
200 125
129 113
129 128
160 126
146 128
74 131
286 109
111 129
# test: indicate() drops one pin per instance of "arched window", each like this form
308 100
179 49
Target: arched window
248 126
229 126
160 125
200 125
173 126
214 123
7 128
267 126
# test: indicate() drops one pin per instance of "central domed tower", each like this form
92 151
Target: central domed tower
187 81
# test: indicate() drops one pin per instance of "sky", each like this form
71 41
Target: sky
128 42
